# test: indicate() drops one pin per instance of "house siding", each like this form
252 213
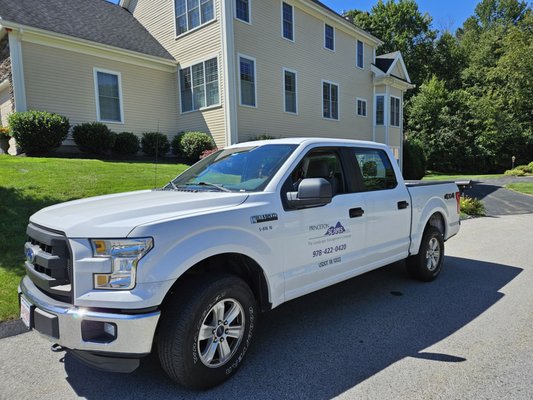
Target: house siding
263 41
199 45
62 81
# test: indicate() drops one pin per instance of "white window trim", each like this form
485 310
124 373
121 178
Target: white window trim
283 90
249 13
97 95
322 100
334 38
293 22
357 53
357 100
176 36
239 56
190 64
399 111
384 95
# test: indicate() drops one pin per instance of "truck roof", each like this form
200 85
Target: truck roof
309 140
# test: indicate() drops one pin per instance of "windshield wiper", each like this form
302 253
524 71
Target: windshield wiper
221 188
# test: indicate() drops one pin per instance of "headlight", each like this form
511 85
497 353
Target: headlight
124 255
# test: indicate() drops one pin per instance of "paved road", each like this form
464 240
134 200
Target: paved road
500 201
465 336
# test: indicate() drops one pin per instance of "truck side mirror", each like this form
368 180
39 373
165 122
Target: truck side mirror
312 192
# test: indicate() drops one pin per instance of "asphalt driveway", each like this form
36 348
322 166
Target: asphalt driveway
501 201
379 336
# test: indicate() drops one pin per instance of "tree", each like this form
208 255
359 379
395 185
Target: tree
401 26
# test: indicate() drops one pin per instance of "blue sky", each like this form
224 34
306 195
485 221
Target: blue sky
448 14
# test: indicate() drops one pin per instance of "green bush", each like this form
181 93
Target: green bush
38 131
94 137
515 172
472 206
414 159
525 168
191 145
530 165
126 143
155 143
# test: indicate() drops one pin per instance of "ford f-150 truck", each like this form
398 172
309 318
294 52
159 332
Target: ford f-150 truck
186 269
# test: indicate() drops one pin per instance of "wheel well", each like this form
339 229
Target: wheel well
437 220
236 264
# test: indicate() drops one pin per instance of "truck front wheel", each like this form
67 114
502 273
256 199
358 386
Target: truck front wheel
426 265
206 330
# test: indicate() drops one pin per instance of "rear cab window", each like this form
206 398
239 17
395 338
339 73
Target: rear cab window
375 169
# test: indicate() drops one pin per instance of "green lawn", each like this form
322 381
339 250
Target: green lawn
29 184
442 177
522 187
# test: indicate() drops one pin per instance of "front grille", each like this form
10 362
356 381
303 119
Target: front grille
49 262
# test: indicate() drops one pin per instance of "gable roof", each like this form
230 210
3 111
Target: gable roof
94 20
387 62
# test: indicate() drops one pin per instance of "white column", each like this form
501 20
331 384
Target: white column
17 70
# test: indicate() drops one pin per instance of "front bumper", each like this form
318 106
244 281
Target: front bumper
62 324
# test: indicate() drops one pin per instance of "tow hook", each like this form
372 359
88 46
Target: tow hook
57 348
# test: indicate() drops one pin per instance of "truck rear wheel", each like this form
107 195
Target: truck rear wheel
206 330
426 265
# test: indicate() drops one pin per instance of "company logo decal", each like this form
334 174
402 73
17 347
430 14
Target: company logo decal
335 230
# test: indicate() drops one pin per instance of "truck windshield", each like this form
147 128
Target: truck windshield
243 169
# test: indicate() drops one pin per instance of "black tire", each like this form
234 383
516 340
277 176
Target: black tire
182 352
427 264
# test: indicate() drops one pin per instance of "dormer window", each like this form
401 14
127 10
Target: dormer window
191 14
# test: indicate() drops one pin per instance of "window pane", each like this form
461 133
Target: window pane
207 10
107 84
326 100
192 4
198 97
329 37
109 108
194 18
181 24
186 90
247 82
211 70
376 169
290 91
180 7
212 93
287 22
334 102
360 54
242 10
380 103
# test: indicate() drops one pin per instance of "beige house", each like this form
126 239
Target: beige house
236 69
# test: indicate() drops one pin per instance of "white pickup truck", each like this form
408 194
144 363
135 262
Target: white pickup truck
186 269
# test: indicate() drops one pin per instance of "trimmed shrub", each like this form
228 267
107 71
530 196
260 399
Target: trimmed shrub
38 131
414 159
525 168
94 137
515 172
126 143
155 143
472 206
191 145
530 165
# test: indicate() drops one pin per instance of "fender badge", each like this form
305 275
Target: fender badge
258 219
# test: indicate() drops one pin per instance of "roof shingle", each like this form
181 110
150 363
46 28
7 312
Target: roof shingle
94 20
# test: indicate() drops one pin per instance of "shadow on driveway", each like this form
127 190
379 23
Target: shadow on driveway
327 342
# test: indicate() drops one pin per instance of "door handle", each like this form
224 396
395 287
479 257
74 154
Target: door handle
356 212
402 205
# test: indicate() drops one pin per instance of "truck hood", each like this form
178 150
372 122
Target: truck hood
116 215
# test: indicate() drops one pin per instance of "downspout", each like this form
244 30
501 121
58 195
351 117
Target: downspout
230 88
17 69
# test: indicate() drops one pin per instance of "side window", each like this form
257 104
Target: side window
319 163
376 169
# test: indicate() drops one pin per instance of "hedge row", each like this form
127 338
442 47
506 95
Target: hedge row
39 132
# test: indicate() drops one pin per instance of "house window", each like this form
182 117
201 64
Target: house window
330 100
360 52
290 89
329 37
361 107
288 21
247 80
108 96
191 14
380 110
394 111
242 10
199 85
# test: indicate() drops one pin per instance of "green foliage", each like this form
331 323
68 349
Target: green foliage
530 165
522 187
191 145
155 144
520 170
472 206
38 132
5 133
414 159
93 137
126 143
515 172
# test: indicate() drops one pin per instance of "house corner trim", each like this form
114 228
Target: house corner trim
17 70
